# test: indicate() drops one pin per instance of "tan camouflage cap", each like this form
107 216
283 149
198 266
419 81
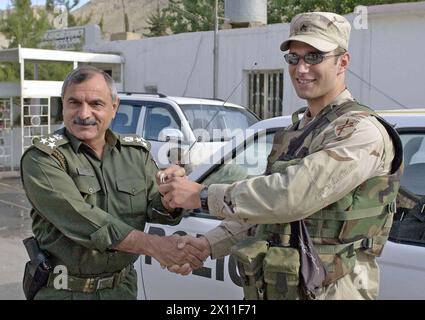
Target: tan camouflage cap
323 30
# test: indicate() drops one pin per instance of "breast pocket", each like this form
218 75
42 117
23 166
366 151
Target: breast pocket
131 195
88 187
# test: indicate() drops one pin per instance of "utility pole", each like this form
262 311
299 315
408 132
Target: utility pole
215 53
124 16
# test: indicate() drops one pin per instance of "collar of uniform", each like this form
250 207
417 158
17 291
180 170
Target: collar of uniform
344 96
112 139
76 143
306 119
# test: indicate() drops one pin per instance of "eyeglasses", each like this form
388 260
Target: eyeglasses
310 58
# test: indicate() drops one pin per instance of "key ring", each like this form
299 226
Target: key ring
162 178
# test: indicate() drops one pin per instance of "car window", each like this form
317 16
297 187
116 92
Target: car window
158 117
414 162
248 162
126 119
217 123
409 221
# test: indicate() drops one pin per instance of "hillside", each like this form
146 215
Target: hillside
113 16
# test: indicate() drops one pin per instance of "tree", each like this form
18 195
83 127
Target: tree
9 72
198 15
158 23
192 15
22 26
284 10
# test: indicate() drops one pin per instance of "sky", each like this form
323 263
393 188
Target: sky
4 3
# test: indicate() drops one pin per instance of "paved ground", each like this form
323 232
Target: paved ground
15 225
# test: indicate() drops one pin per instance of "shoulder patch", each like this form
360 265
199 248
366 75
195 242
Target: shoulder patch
345 127
49 143
134 141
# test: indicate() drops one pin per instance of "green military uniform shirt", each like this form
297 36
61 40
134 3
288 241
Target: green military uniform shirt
80 212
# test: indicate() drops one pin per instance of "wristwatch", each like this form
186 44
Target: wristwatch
203 195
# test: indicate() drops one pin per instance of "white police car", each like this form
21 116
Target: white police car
180 129
402 263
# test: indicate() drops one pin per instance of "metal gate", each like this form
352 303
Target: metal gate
35 120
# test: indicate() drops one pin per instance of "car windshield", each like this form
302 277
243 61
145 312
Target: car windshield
126 118
217 123
249 160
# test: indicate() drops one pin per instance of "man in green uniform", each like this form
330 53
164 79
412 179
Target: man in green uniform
92 192
334 173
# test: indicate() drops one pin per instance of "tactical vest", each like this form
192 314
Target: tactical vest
361 220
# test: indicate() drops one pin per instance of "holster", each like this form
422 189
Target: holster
37 270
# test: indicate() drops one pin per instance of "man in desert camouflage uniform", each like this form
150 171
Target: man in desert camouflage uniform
336 169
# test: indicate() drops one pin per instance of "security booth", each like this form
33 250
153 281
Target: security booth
30 95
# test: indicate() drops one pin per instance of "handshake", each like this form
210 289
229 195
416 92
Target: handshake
177 191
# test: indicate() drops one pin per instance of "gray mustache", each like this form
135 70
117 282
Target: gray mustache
84 122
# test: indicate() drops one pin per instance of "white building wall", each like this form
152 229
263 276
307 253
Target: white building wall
241 50
177 65
388 54
398 59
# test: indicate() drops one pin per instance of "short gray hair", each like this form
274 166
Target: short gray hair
85 73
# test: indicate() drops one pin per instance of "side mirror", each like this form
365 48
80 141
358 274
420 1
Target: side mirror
170 134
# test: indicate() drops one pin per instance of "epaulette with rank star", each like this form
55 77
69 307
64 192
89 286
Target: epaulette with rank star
49 143
135 140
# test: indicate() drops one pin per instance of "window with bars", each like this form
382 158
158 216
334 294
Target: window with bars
265 92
